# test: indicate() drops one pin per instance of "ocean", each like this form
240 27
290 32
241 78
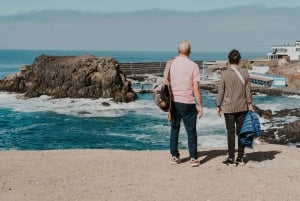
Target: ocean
46 124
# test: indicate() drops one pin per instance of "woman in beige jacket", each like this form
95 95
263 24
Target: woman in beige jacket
234 100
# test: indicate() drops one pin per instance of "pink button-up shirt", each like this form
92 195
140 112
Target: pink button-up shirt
183 74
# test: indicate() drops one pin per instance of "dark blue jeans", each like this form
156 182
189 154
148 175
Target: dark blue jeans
234 123
188 113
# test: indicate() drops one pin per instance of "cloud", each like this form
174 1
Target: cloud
244 28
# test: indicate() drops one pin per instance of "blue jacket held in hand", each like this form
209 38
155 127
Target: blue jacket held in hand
250 129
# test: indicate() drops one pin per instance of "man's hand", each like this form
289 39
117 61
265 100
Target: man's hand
200 112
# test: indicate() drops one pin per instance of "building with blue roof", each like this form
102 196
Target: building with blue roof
267 80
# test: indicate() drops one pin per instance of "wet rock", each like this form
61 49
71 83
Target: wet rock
105 104
290 133
32 94
288 112
263 113
84 76
280 132
212 88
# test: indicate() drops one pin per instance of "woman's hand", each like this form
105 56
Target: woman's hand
219 111
250 107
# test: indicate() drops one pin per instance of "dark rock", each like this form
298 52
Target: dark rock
273 91
263 113
298 146
105 104
280 132
69 76
290 133
268 91
288 112
32 94
269 135
212 88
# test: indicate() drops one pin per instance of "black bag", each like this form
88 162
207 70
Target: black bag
162 93
161 96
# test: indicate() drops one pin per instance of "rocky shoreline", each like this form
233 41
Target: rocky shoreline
213 88
279 132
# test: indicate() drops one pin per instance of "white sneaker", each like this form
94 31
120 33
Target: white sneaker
194 162
175 160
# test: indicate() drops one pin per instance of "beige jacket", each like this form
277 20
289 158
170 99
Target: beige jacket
233 96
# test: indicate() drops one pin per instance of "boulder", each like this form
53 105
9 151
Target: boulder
263 113
290 133
280 132
84 76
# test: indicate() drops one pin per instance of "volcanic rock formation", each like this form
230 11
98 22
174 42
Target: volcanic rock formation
84 76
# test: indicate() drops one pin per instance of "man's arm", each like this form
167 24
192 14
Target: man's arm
198 97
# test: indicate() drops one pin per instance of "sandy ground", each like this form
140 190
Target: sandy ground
272 172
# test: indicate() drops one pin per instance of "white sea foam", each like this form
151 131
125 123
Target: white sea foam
94 107
75 107
210 128
212 141
287 119
294 96
21 128
210 118
279 103
161 129
264 123
206 141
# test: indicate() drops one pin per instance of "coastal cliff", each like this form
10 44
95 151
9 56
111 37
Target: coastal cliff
84 76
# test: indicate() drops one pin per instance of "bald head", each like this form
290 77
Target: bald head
184 47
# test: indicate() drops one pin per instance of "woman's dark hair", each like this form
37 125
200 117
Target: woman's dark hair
234 57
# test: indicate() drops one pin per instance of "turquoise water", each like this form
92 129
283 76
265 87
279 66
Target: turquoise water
44 123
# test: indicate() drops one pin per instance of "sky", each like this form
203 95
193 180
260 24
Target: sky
17 6
135 25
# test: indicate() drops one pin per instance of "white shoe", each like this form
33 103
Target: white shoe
194 162
175 160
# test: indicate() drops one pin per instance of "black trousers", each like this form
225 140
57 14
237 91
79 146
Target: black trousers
234 123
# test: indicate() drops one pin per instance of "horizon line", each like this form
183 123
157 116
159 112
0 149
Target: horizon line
89 11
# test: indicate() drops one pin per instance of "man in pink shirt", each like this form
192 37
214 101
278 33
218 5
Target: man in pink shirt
184 79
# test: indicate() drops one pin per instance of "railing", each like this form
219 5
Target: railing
140 68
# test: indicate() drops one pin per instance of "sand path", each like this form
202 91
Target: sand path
271 173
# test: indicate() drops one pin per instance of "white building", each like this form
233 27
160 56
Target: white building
259 69
281 51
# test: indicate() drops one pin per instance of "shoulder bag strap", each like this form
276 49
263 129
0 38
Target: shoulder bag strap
167 69
239 75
